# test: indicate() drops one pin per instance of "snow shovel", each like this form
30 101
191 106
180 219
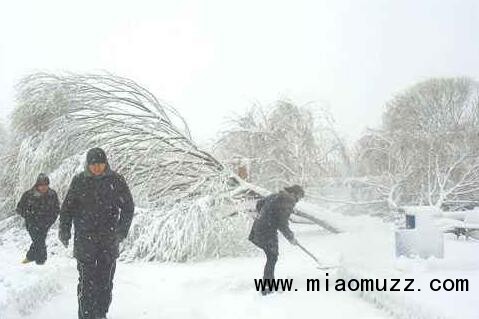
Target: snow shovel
319 264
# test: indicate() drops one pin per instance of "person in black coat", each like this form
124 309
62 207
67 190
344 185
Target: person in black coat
39 206
100 206
274 212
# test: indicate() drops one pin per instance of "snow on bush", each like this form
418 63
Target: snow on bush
191 228
24 288
24 298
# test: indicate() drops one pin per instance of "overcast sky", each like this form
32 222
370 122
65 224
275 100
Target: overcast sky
211 58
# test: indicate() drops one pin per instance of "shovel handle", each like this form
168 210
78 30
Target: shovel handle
308 253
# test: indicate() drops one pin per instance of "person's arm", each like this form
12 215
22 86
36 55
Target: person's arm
23 205
55 208
127 208
284 212
67 210
259 204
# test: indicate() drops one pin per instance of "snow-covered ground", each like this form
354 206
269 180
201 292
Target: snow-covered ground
366 246
213 289
224 288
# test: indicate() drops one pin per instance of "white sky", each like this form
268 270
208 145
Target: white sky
211 58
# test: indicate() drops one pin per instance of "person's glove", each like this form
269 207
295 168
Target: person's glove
64 239
294 241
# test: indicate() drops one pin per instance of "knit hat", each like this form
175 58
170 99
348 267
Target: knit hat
96 156
295 189
42 179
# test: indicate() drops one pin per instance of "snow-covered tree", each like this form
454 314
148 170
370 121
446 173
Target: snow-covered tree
3 138
427 147
6 179
189 205
283 144
183 190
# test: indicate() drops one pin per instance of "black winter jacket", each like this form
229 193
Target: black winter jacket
101 210
274 211
39 210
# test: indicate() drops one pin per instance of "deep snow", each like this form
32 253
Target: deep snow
224 288
366 246
213 289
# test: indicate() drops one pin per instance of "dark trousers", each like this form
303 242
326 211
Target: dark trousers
95 284
271 252
271 259
38 248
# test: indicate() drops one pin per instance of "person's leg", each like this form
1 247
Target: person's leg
271 259
33 251
41 247
271 252
104 280
86 293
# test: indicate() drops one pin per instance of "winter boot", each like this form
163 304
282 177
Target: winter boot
266 292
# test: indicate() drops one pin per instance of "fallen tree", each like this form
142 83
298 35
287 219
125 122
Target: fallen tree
186 195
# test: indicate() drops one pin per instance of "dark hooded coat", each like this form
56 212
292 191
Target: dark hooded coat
101 210
39 210
274 211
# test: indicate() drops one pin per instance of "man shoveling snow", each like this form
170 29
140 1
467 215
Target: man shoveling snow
274 212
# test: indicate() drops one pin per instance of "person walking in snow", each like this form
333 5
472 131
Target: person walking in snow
274 211
39 207
100 206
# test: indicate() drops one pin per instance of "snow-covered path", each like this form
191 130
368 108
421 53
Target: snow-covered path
212 289
224 288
